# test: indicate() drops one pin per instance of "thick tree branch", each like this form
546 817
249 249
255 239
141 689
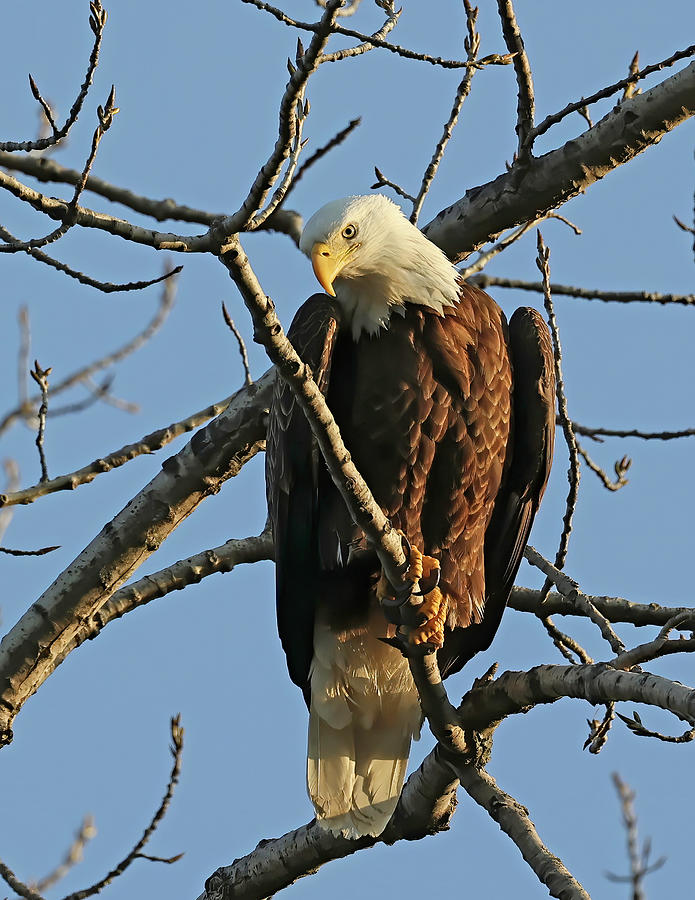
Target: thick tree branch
279 862
529 191
514 820
216 453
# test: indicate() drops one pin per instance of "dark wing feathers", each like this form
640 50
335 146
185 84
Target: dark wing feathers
291 478
432 439
523 484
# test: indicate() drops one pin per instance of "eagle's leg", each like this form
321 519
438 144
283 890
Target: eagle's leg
423 573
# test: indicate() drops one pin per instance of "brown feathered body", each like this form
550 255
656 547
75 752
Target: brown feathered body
449 418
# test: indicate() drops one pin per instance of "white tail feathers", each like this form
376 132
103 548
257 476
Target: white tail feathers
364 713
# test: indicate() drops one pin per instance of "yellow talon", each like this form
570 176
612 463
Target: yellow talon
431 631
434 605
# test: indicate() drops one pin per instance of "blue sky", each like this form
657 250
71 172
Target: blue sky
198 88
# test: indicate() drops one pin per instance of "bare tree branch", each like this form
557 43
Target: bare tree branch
485 281
599 433
106 287
321 152
514 820
86 832
526 103
615 609
229 322
277 863
26 409
550 180
570 589
639 860
493 59
176 751
216 453
574 472
471 45
150 443
105 115
40 376
42 552
621 466
553 119
97 21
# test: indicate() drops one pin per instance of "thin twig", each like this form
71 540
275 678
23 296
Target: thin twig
494 59
631 89
639 860
485 281
574 471
565 644
280 192
471 45
21 889
570 589
97 22
526 106
41 552
553 119
321 152
620 466
598 434
105 115
23 355
288 123
615 609
40 376
106 287
383 181
584 113
46 115
485 256
240 341
150 443
84 372
73 856
637 727
599 730
661 645
176 751
369 44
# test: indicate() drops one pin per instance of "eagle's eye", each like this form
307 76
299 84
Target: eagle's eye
349 232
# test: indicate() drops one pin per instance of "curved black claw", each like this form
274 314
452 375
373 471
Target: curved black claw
429 583
397 642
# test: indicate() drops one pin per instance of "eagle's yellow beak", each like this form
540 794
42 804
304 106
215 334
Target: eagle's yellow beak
327 265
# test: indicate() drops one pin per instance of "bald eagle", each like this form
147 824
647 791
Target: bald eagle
448 413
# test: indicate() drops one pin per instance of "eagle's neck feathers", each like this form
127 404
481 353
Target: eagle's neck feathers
392 265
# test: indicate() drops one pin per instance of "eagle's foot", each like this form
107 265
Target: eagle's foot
426 619
431 632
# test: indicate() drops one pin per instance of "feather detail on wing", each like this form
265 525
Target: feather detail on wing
291 477
523 484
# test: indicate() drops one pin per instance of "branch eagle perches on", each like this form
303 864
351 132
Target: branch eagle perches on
90 593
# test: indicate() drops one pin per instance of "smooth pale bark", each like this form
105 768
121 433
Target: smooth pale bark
533 188
30 651
276 863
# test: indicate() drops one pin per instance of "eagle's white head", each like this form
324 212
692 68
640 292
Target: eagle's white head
374 261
